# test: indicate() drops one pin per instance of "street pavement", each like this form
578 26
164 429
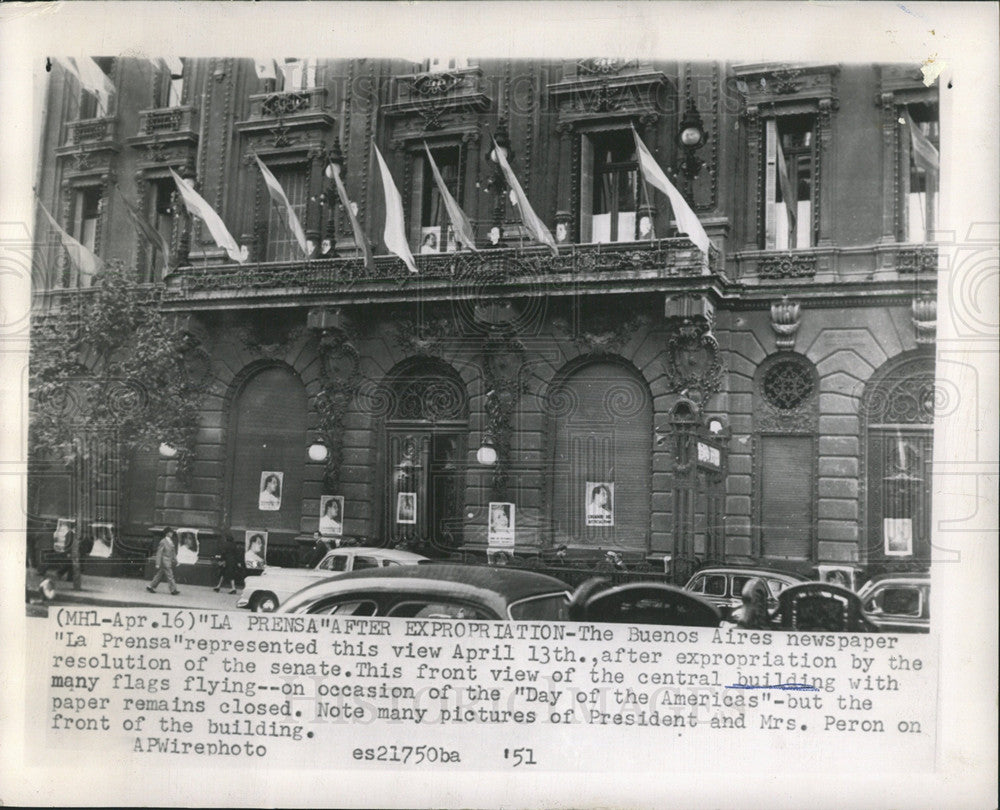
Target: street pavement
118 591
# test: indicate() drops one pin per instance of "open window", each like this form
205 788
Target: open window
609 187
297 74
435 234
788 198
86 210
919 171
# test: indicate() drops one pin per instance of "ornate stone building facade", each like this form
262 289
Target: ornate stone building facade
769 401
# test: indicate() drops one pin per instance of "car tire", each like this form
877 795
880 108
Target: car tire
264 602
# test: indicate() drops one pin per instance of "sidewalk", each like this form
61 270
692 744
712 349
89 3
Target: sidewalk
115 591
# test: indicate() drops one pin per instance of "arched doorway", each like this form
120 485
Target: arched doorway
601 434
898 407
426 433
267 437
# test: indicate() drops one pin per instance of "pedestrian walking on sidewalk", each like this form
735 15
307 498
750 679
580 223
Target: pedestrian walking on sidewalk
166 562
230 563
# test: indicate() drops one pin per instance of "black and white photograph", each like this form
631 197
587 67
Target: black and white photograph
255 550
270 491
600 503
187 546
650 361
406 507
104 539
331 515
501 530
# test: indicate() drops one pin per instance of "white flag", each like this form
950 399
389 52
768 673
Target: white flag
687 220
284 206
95 80
82 257
530 219
459 221
395 228
197 207
265 69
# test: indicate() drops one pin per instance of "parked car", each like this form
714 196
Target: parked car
265 593
437 591
821 606
641 603
898 603
723 585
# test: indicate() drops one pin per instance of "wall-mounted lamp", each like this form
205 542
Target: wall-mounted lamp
715 426
318 451
167 450
487 453
690 137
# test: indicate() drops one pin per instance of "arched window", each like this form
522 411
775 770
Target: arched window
427 424
898 408
268 424
786 420
601 434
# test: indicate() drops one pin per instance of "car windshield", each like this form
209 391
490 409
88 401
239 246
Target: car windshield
901 601
551 607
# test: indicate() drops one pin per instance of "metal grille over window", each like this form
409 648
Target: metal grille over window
787 385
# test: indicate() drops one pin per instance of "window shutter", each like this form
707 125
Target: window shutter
786 496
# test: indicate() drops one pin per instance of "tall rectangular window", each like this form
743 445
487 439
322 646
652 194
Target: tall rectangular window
172 82
298 74
609 187
161 217
435 234
281 243
90 106
86 210
788 182
920 178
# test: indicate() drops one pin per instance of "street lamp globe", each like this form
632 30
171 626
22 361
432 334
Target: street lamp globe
486 455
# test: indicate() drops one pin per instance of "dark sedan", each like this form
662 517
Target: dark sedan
437 591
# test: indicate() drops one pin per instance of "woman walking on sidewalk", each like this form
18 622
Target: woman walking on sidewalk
166 561
230 563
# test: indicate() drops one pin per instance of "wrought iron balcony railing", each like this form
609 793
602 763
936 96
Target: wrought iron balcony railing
634 261
167 120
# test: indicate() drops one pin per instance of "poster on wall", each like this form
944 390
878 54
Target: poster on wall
600 500
430 239
331 515
406 507
104 539
898 535
500 531
187 546
61 536
255 550
270 491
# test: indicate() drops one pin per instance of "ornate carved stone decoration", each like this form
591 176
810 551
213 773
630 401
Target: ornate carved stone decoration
281 104
785 322
924 319
423 337
692 360
431 85
785 81
503 357
786 396
281 137
917 260
604 66
786 265
431 117
601 99
255 341
341 378
604 333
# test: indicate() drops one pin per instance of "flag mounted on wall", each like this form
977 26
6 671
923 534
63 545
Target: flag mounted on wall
281 202
530 219
359 235
153 237
197 207
395 227
687 220
82 258
459 221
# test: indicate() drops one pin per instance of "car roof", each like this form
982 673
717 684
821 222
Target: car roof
497 587
749 569
386 553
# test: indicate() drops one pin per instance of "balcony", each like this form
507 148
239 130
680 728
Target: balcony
660 265
810 266
91 144
167 136
292 121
